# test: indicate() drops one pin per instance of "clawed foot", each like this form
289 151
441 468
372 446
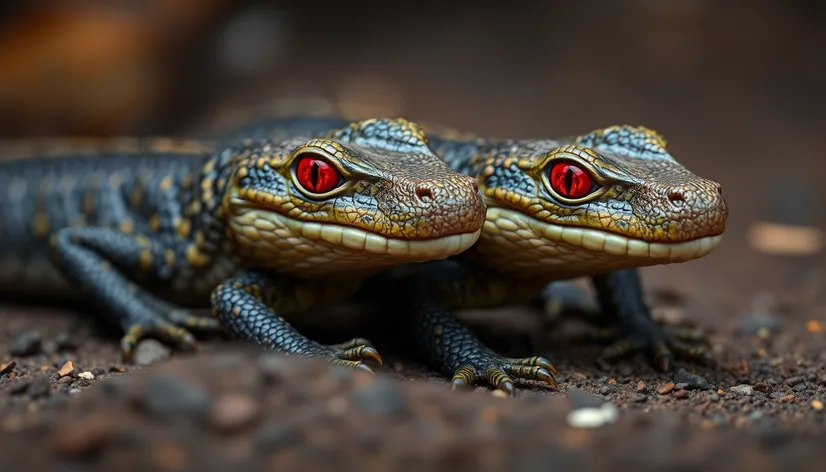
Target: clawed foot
663 346
499 372
353 353
623 305
173 330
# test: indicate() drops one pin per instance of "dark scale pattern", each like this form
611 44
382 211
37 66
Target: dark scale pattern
466 157
248 305
393 135
148 231
631 141
111 222
446 343
621 298
511 178
652 198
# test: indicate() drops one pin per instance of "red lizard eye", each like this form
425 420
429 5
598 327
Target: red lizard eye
317 175
570 180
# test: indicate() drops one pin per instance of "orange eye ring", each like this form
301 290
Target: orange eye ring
316 175
570 180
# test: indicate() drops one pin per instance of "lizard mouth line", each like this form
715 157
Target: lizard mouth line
262 226
599 241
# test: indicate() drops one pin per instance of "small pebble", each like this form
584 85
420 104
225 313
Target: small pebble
742 389
233 412
680 386
86 375
680 394
7 368
763 387
792 381
151 351
665 389
26 343
66 369
817 404
641 387
714 397
383 395
693 381
593 417
639 397
800 387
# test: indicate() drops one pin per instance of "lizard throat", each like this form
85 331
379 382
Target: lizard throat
518 244
304 248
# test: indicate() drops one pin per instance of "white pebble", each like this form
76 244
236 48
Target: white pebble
593 417
742 389
86 375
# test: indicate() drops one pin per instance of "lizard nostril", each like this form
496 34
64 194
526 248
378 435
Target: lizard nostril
719 189
676 197
424 193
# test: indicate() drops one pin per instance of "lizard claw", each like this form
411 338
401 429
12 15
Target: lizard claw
500 373
353 364
354 351
166 332
664 346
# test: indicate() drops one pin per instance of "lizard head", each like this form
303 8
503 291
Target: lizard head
611 199
370 195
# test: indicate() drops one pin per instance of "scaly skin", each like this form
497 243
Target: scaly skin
646 209
643 209
150 229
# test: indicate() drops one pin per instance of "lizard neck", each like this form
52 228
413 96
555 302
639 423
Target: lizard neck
471 156
205 220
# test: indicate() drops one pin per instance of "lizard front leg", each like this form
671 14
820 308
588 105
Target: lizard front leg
621 298
248 305
93 258
621 305
448 344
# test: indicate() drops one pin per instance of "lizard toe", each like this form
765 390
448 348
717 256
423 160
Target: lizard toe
166 332
188 319
663 348
356 349
500 372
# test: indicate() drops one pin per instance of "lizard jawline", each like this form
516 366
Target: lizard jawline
532 245
304 247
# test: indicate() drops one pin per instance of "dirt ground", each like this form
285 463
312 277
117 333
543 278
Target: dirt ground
735 92
230 406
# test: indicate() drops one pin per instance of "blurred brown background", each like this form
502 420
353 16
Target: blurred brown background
737 87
